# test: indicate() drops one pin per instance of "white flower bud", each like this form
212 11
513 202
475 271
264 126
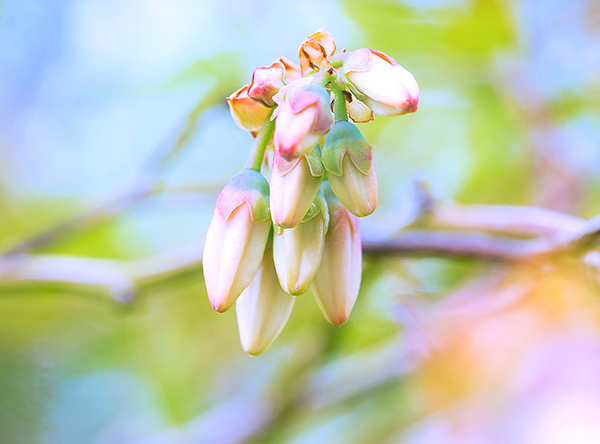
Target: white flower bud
337 281
263 308
294 185
236 238
297 251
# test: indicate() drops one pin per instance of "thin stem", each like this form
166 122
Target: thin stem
339 103
323 78
257 153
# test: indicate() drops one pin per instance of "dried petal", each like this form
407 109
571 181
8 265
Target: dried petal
358 111
315 49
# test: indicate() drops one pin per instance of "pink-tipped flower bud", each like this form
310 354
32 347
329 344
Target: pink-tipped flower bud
266 82
297 251
294 185
247 113
380 82
263 308
236 238
348 159
280 96
337 281
303 118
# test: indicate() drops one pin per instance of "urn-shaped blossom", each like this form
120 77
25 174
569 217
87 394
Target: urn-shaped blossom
247 113
380 82
236 238
294 185
263 308
297 251
347 158
337 281
303 118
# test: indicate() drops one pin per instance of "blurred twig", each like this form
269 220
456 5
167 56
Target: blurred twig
145 184
443 242
504 219
415 204
485 246
122 279
98 275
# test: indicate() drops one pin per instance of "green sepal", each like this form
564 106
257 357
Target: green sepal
314 161
344 137
249 187
355 92
319 205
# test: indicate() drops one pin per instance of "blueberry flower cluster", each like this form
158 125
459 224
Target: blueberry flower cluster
269 240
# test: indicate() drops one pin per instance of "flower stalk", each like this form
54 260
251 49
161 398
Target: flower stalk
257 153
339 102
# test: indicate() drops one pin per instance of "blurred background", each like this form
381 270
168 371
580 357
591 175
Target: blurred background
114 140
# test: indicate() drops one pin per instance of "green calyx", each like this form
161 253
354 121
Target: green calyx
257 153
246 187
319 205
344 137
